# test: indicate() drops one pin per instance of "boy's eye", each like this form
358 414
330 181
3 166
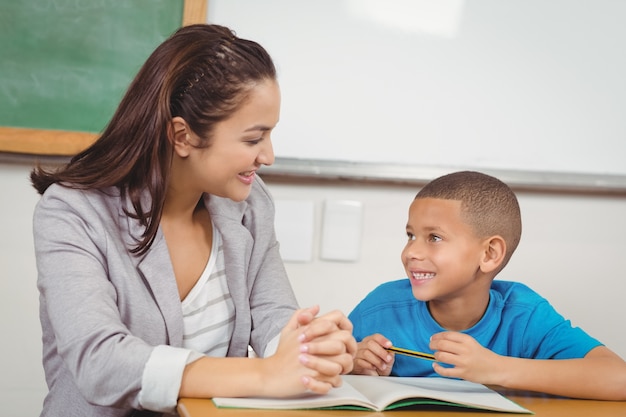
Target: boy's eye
254 141
410 236
434 238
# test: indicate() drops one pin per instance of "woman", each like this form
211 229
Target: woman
157 258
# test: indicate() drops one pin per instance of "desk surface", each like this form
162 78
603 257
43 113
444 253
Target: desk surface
541 405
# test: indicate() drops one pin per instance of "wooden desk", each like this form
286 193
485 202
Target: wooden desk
540 404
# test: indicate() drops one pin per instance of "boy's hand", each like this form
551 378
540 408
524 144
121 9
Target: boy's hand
471 361
372 358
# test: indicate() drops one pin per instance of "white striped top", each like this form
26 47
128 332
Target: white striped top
208 309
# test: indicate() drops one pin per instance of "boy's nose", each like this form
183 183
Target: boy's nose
413 250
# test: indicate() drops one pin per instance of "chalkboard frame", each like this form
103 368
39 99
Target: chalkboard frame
46 142
318 171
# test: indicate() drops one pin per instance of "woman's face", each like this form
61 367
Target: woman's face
239 146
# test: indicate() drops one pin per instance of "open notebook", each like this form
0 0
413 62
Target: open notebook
378 393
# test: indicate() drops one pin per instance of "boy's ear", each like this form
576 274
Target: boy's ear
179 136
493 255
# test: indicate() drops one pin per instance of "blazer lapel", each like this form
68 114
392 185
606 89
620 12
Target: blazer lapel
156 269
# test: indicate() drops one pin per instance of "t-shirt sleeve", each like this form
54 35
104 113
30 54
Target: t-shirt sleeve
356 317
551 336
382 306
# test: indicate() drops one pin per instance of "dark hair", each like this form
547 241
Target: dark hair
488 205
202 73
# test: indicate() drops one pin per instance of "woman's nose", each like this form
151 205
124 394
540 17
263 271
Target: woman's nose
266 156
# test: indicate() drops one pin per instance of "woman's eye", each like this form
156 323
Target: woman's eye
410 236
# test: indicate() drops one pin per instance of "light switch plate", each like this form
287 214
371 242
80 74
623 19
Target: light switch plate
341 230
294 226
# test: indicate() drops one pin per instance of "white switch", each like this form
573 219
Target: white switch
341 230
294 226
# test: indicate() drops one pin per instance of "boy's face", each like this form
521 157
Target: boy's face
441 257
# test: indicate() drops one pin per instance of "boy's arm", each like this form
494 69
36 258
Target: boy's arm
601 374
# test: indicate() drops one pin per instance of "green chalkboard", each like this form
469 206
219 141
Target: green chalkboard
65 64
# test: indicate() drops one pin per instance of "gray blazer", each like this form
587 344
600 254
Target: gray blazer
103 309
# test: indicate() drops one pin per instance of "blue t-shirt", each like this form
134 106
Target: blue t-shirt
518 322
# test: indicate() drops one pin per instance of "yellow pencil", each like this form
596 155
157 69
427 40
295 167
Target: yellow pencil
415 354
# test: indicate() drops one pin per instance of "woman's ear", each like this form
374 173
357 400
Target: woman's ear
493 255
179 136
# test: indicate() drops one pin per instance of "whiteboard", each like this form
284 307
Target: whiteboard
529 86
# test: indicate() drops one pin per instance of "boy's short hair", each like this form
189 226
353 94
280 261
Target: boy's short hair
488 205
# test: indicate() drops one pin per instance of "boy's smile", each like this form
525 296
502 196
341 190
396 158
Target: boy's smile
421 277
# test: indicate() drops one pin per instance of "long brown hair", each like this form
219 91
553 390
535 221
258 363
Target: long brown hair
202 73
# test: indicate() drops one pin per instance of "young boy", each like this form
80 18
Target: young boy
462 230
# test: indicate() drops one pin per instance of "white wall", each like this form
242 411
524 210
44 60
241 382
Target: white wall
572 252
22 385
